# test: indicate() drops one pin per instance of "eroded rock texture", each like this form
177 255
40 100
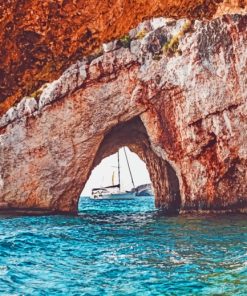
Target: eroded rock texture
174 92
41 38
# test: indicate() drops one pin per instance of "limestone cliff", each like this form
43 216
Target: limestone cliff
41 38
173 91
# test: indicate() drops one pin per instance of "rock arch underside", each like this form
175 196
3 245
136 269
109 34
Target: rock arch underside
173 91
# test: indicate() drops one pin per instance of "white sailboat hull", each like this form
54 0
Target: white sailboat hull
114 192
115 196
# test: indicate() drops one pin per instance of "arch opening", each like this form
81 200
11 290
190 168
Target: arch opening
163 177
107 174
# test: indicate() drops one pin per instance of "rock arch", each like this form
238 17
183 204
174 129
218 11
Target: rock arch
164 179
191 101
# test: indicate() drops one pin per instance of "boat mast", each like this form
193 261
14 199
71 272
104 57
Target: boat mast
132 180
118 165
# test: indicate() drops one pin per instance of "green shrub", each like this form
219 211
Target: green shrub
171 47
141 34
125 41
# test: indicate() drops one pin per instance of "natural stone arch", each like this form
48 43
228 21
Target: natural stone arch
193 118
164 179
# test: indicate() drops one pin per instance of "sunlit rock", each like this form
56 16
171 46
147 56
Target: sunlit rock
176 96
41 38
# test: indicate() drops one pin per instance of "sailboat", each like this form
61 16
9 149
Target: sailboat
114 192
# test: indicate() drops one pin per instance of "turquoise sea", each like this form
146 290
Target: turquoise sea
123 248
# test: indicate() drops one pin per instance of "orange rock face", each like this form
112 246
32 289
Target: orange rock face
40 38
174 92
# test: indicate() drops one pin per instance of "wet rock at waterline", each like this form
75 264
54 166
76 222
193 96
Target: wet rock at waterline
175 94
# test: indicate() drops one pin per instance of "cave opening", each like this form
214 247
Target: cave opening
131 173
135 192
155 170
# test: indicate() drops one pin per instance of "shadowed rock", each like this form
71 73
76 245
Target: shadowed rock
40 38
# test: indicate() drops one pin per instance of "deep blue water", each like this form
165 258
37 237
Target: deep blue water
123 248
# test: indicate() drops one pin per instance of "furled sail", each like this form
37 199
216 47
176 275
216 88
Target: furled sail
113 179
110 192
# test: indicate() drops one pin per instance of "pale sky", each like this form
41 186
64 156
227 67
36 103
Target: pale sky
102 174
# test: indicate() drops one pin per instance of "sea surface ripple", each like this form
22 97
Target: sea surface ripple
123 248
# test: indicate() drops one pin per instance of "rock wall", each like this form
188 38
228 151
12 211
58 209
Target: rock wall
178 87
41 38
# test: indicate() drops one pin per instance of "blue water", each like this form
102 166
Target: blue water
123 248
